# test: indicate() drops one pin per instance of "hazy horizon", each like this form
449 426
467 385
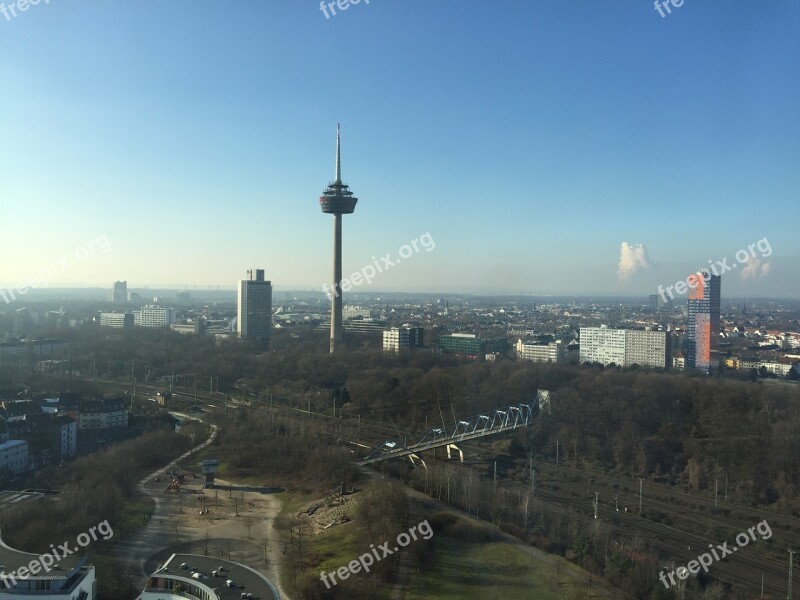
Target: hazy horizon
546 148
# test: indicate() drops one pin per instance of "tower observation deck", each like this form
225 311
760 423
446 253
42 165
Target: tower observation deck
337 200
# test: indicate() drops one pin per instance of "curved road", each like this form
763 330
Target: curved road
133 551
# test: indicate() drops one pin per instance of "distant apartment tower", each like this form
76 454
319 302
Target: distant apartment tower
402 337
119 295
152 315
553 352
702 326
625 347
254 317
116 319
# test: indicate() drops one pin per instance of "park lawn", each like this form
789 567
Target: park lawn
477 570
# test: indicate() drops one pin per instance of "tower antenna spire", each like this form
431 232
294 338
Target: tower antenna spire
338 156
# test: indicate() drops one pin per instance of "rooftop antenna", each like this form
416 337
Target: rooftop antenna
338 156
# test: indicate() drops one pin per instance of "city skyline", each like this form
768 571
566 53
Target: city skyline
540 164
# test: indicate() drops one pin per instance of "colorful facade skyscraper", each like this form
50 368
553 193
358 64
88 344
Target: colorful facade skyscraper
337 200
702 327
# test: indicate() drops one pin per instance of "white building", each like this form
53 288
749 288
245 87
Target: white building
152 315
116 319
103 414
625 347
196 577
69 436
254 316
554 352
402 337
349 312
602 345
74 579
647 348
14 456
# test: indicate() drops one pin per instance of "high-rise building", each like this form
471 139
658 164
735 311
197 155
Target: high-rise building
119 294
254 317
337 200
625 347
702 326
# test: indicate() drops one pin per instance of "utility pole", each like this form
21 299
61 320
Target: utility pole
726 487
495 474
716 494
791 567
596 503
641 491
556 452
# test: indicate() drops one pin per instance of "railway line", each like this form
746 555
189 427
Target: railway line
568 491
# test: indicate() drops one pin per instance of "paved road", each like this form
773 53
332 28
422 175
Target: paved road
159 532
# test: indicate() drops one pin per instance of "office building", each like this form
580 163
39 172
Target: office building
197 577
553 352
72 579
469 344
402 337
702 326
625 347
119 295
254 317
152 315
116 319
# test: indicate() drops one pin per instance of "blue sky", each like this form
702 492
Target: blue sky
529 138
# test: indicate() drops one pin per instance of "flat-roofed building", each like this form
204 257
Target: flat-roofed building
74 579
152 315
625 347
14 456
471 345
552 352
204 577
116 319
254 314
402 337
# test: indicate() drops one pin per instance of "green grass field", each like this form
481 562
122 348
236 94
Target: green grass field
498 570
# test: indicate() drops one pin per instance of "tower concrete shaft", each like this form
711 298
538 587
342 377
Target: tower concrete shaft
337 332
337 200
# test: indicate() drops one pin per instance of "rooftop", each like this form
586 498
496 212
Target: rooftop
245 580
